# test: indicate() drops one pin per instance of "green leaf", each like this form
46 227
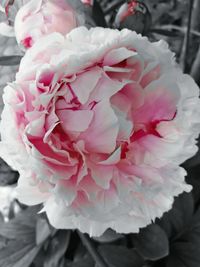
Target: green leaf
10 60
57 248
108 237
118 256
152 242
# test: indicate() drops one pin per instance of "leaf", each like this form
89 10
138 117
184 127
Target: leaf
18 254
14 230
184 254
98 15
8 46
43 230
174 261
10 60
3 242
80 251
168 33
180 216
185 248
108 237
62 263
19 237
22 227
57 248
84 262
1 218
118 256
7 175
152 242
28 216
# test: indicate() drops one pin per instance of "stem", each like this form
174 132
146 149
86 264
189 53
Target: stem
177 28
92 250
186 41
196 67
195 24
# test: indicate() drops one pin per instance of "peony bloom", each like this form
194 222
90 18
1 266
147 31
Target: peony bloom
97 124
41 17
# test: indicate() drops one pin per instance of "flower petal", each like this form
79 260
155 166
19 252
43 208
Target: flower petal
101 136
75 120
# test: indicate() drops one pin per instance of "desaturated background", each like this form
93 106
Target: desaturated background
173 241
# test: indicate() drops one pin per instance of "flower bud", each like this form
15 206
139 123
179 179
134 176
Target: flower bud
41 17
133 15
88 2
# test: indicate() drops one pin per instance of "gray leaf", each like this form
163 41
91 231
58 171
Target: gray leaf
43 230
10 60
118 256
57 248
108 237
152 242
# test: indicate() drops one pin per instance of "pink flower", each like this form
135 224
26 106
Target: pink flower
41 17
97 124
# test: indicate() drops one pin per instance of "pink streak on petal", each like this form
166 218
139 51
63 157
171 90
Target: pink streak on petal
27 42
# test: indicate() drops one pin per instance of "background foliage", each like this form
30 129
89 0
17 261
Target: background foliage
27 239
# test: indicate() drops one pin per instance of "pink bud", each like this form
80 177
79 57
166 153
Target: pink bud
88 2
41 17
126 10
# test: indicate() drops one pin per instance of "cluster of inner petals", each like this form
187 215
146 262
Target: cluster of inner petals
86 125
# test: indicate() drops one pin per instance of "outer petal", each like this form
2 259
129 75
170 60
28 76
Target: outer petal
28 193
